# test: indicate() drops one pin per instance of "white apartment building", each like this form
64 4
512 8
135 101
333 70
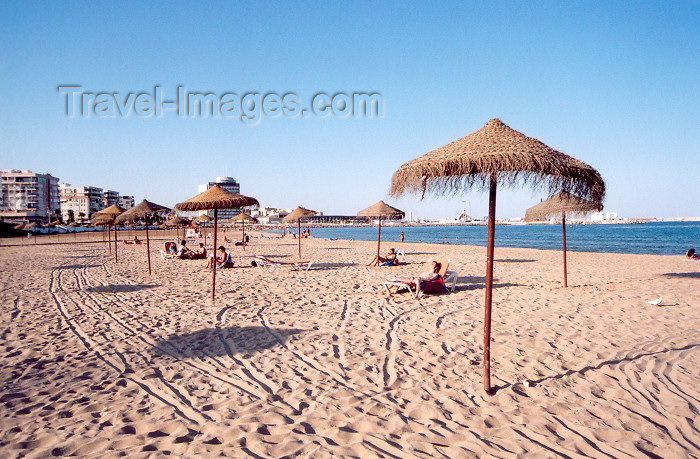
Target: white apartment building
26 196
82 200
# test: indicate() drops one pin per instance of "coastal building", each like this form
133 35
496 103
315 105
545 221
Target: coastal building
28 197
603 216
83 201
110 197
126 202
228 184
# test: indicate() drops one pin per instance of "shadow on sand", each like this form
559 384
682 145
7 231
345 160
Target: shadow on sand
479 282
694 275
514 260
593 367
227 341
120 288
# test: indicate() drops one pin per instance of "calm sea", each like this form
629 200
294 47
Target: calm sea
667 238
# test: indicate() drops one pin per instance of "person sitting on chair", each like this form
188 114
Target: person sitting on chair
424 282
222 259
389 260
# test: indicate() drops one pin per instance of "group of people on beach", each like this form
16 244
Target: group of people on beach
221 259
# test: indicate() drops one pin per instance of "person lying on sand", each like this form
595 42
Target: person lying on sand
200 253
389 260
135 241
691 255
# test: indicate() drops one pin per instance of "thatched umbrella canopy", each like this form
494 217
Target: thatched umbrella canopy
112 210
496 154
215 198
204 218
143 210
295 216
176 221
380 209
107 216
560 204
243 217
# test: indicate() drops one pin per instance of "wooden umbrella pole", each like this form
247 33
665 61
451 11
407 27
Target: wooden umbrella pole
243 240
299 236
109 237
148 248
563 242
489 283
115 244
379 237
213 275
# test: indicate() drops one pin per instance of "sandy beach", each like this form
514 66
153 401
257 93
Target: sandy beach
99 359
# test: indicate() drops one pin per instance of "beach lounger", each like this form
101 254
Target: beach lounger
402 253
166 253
449 280
271 266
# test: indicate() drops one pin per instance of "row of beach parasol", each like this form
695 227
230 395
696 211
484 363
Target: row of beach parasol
491 156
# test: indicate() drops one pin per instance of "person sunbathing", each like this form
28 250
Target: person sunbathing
184 251
389 260
135 241
221 260
691 255
200 253
428 281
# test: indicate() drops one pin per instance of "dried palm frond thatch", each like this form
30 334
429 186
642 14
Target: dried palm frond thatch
561 202
143 210
496 149
106 217
295 216
496 154
215 198
380 209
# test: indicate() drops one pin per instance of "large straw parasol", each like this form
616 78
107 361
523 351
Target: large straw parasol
215 198
295 216
380 209
561 203
107 216
496 153
243 217
144 210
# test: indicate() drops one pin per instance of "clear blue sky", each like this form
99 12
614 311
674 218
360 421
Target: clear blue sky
614 84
